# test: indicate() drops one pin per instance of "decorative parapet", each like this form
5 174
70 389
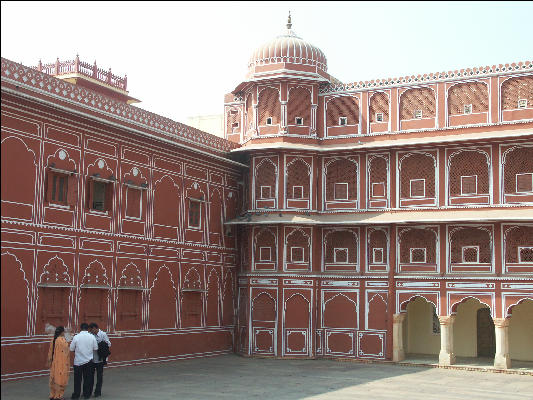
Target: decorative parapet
85 69
167 128
526 66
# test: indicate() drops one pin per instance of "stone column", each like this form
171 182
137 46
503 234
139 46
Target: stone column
398 352
255 128
446 355
283 124
502 360
313 119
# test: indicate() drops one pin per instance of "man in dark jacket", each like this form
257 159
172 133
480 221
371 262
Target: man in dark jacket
99 361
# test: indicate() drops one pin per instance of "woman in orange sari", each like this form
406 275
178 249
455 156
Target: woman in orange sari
59 364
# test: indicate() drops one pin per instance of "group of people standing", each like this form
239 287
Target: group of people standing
91 348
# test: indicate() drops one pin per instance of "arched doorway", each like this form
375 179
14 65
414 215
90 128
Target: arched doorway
473 330
520 331
421 330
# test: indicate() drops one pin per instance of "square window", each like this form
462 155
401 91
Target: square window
379 117
297 254
417 187
235 125
265 254
133 202
233 112
59 188
194 214
378 189
525 255
469 184
470 254
467 109
299 121
522 103
340 191
524 182
297 192
343 121
266 192
418 114
377 255
98 194
269 121
340 255
417 255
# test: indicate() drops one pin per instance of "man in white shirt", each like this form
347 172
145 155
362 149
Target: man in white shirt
83 345
99 363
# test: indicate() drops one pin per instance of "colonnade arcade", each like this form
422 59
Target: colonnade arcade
470 331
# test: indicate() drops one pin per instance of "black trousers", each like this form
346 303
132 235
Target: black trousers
99 369
85 372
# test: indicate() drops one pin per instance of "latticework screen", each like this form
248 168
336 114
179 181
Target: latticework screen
233 121
377 239
377 167
297 239
475 93
416 238
265 175
336 242
469 163
517 161
417 99
342 170
299 105
345 106
265 238
515 89
269 106
379 103
298 173
249 112
417 166
520 236
464 241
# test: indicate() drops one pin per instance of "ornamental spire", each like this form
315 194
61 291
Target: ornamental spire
289 24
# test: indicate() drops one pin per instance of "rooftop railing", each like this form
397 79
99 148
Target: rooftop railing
85 69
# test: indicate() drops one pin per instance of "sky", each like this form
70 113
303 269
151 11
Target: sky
182 57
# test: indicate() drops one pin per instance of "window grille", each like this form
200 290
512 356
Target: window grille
99 191
516 89
418 114
297 254
298 179
463 97
266 192
520 236
470 254
379 117
417 255
59 188
341 171
344 106
378 189
421 100
297 192
417 187
299 121
467 109
524 183
522 103
343 121
341 191
194 214
518 160
269 121
377 255
265 254
340 255
525 255
469 184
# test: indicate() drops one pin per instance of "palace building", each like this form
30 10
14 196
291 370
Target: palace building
374 220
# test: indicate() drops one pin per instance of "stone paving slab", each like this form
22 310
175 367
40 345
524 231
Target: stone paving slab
234 377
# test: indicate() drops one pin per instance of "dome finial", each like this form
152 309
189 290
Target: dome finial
289 24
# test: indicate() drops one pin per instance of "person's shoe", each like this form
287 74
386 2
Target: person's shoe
97 394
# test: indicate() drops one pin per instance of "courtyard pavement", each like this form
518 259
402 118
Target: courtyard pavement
234 377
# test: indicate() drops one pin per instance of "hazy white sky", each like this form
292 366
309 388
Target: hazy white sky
182 57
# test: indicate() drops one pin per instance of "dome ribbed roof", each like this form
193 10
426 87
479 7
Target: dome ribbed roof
288 48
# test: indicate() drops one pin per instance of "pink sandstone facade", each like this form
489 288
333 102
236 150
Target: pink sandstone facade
359 221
